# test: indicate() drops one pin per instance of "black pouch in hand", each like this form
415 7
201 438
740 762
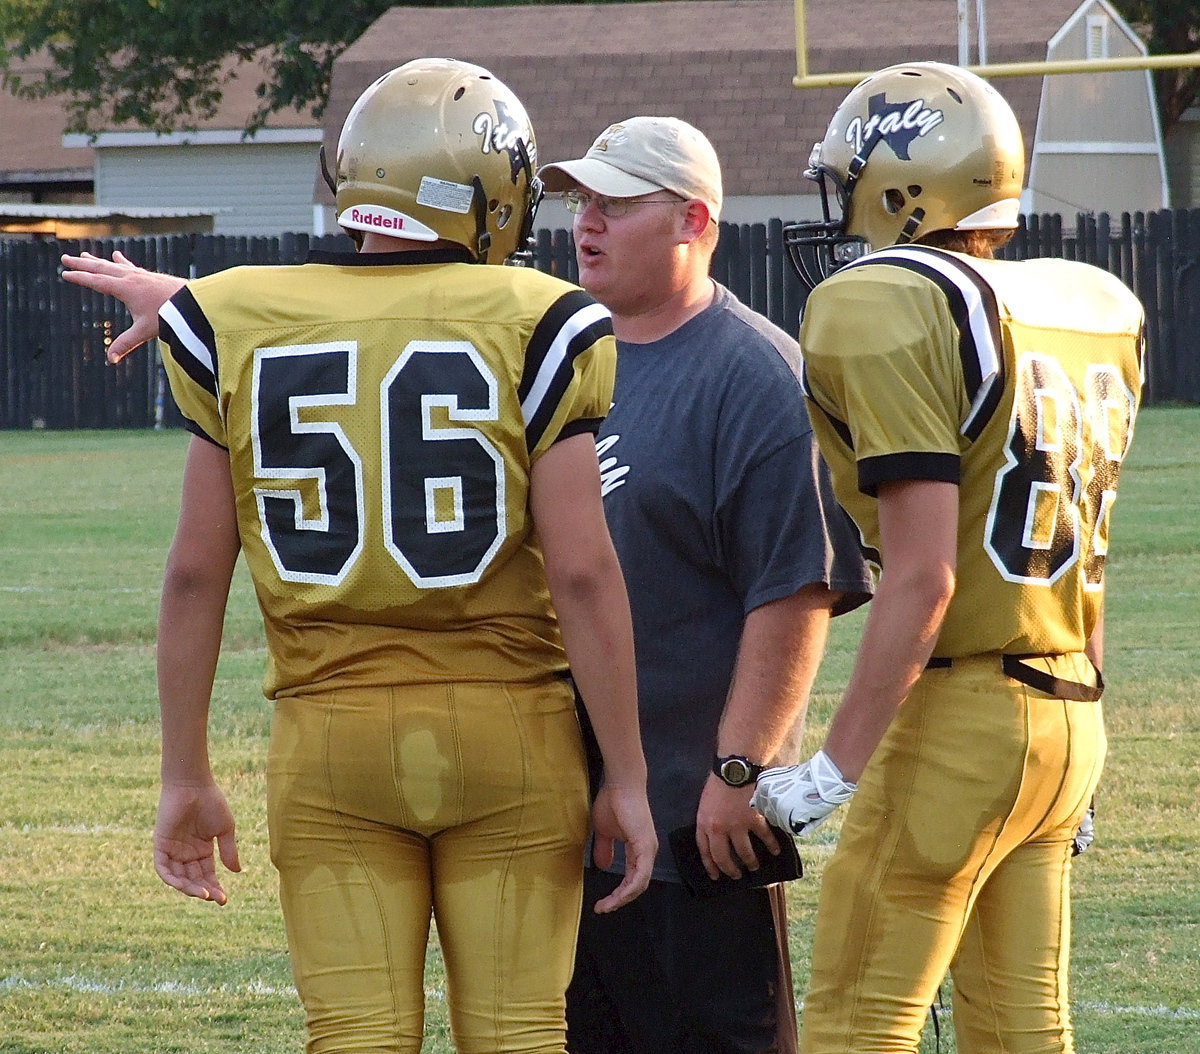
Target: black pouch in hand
782 868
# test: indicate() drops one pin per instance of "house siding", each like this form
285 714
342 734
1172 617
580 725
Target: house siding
254 189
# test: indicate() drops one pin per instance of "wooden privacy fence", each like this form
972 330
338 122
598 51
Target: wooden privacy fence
53 335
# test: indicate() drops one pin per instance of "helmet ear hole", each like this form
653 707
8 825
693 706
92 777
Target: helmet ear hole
504 215
914 190
893 201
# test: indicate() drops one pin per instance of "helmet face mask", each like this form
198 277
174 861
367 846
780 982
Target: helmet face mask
439 149
817 248
915 148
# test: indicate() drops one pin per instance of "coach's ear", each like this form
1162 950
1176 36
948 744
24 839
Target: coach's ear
695 219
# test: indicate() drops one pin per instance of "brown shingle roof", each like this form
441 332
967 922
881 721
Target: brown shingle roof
724 65
31 130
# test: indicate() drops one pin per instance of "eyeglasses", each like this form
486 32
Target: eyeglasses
612 208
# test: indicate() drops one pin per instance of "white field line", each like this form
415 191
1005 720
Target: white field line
75 983
88 829
1166 1013
75 589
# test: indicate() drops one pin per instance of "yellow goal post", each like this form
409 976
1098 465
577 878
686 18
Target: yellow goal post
804 79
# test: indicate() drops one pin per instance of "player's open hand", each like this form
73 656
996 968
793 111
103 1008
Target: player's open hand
190 818
624 813
143 292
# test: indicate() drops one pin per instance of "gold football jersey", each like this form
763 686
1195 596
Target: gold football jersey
382 414
1019 382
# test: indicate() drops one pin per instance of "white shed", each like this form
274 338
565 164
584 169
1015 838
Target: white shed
259 185
1098 144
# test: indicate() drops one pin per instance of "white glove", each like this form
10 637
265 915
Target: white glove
1086 833
799 798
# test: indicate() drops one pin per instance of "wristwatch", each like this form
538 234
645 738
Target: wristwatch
736 770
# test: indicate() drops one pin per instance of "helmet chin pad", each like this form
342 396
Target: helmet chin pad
999 215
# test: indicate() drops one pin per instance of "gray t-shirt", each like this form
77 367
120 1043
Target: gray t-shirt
718 502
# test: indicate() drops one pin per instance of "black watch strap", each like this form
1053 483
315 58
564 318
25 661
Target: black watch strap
736 770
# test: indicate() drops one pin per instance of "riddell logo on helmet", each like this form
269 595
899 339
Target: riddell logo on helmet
390 221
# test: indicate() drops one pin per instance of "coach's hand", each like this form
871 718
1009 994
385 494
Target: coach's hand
724 824
143 292
624 813
190 818
799 798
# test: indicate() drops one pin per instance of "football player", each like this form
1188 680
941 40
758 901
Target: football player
974 413
402 446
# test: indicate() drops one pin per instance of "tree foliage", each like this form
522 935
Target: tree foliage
1169 27
163 64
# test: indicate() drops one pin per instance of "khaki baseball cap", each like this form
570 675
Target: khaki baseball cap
641 155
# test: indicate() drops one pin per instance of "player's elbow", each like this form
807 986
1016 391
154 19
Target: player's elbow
924 587
575 583
580 577
189 577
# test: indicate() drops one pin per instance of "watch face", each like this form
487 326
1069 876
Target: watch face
735 772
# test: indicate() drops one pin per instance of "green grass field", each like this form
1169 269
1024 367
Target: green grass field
97 956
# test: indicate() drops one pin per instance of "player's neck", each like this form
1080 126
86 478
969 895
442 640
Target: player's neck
374 242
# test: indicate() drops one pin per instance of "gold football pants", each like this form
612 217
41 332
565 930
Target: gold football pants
955 854
465 804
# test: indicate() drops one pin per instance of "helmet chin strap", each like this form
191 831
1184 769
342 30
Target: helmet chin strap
331 183
325 173
911 226
479 206
853 170
523 254
858 162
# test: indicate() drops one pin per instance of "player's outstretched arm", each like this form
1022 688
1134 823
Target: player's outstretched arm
589 595
143 292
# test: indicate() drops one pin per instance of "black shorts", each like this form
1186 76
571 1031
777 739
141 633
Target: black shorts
670 972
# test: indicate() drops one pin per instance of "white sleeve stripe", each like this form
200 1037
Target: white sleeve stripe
187 337
557 355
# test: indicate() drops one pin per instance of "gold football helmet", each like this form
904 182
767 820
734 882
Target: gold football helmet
914 148
439 148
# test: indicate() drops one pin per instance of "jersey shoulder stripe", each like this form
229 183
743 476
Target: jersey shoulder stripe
836 423
190 340
571 325
973 306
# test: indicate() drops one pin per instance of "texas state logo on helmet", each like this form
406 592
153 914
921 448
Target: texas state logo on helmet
914 148
439 148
